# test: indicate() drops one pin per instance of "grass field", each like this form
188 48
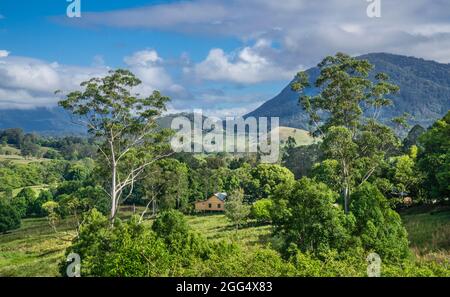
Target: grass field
9 153
301 137
20 160
429 231
35 249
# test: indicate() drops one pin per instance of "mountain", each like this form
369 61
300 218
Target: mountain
424 92
50 121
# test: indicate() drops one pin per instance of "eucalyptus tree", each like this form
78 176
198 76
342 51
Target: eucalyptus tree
345 113
124 125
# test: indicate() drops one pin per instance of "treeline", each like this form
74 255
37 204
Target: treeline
50 147
415 172
14 175
64 189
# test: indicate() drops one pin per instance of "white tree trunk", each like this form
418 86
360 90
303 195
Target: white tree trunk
113 192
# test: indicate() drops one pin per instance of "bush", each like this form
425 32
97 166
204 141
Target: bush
24 202
130 248
9 216
235 209
261 210
378 226
36 207
172 227
306 216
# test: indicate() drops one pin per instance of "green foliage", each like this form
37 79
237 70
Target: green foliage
261 210
413 137
24 202
379 228
36 207
344 89
180 240
124 124
134 249
404 176
306 217
167 183
300 160
265 179
50 209
327 172
9 216
32 174
128 249
235 210
434 159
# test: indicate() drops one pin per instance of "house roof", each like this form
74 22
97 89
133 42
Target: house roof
221 196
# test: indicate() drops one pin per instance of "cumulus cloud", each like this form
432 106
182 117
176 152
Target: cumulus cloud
27 82
150 69
4 53
306 30
247 66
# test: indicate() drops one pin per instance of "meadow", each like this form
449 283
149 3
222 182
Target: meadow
35 249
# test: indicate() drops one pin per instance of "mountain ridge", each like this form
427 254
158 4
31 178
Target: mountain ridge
418 78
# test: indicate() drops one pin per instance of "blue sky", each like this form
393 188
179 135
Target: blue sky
226 57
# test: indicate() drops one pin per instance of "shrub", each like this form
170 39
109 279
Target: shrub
24 201
378 226
9 216
235 209
306 216
261 210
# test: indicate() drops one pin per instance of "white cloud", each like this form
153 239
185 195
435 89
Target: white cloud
4 53
149 68
27 82
306 30
247 66
143 58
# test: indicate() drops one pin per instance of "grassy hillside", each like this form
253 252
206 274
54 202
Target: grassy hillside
35 249
429 231
9 153
301 136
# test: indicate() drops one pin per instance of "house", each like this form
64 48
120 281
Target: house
214 203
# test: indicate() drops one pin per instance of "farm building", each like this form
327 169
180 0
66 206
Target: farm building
214 203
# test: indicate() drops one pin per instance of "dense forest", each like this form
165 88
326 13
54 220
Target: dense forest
124 201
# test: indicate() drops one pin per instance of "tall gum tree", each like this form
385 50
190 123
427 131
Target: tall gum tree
345 113
125 128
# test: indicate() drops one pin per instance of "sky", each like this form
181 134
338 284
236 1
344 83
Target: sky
224 56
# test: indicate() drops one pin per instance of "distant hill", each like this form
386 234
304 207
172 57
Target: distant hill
52 121
424 92
301 136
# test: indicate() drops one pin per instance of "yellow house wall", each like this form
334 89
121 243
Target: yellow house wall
214 201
